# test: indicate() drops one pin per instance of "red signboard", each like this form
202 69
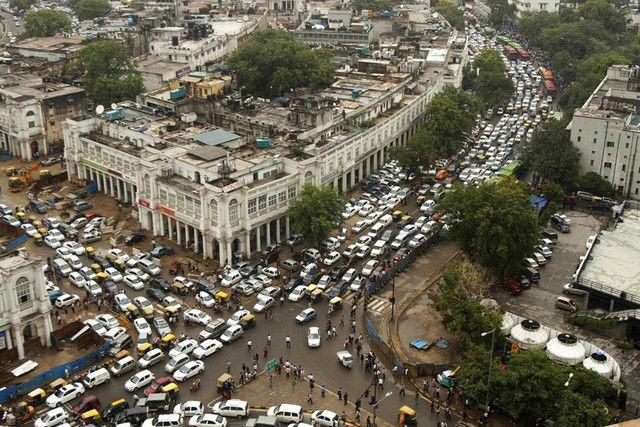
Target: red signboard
166 210
144 203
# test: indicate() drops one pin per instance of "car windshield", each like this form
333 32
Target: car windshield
314 335
184 369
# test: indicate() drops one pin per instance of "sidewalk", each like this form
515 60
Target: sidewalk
296 391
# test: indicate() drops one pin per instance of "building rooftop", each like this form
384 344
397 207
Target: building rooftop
216 137
53 43
613 262
22 87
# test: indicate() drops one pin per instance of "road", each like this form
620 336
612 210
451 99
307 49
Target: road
8 25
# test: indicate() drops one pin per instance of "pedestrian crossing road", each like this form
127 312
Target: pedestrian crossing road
376 305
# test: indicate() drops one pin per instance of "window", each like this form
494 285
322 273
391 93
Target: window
262 202
233 212
624 168
252 206
579 138
610 144
591 162
595 140
308 178
214 212
607 164
292 192
23 290
272 200
626 145
282 196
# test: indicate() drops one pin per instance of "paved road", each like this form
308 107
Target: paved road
8 25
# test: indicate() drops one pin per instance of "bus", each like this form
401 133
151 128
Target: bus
509 171
550 87
515 45
504 40
546 74
511 53
524 55
488 31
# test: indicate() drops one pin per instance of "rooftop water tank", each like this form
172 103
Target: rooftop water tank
566 349
528 334
599 362
263 142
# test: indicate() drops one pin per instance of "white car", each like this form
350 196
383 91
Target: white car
197 316
52 418
66 300
170 301
29 229
118 254
350 250
133 261
313 337
263 303
206 348
74 262
137 272
150 358
56 234
108 320
297 293
369 267
183 281
205 299
232 408
87 273
139 380
64 394
417 240
75 248
185 346
97 327
325 418
114 333
262 279
133 282
349 211
188 370
363 241
332 258
52 242
358 226
189 408
232 333
271 272
235 317
77 279
63 252
142 326
93 288
122 301
114 275
207 420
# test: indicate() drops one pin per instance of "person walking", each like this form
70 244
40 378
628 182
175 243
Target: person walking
249 345
323 391
269 340
345 397
368 421
309 399
228 367
339 393
288 341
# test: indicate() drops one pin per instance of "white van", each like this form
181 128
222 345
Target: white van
96 377
176 362
122 366
400 240
286 413
149 266
385 220
375 230
62 267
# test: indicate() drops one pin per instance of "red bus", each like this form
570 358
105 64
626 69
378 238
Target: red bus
511 53
550 87
524 55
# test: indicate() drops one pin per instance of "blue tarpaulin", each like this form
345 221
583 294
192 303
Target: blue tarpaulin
539 202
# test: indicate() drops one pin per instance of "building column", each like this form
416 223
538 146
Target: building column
268 233
222 255
247 248
125 191
229 252
119 189
352 183
278 230
258 243
48 328
104 183
179 231
19 341
286 227
170 228
196 238
97 179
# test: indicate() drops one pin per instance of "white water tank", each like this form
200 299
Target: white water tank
529 334
507 324
599 362
566 349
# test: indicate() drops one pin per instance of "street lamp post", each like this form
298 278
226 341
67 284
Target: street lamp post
493 341
375 405
393 285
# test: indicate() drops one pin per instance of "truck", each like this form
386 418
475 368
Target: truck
345 358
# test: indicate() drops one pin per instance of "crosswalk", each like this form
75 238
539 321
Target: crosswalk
376 305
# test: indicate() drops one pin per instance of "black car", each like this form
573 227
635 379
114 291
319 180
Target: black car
205 285
68 231
132 239
115 413
38 206
102 262
338 289
337 272
251 268
293 283
160 283
294 240
271 248
156 294
109 287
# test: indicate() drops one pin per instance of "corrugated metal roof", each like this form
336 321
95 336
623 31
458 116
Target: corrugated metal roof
216 137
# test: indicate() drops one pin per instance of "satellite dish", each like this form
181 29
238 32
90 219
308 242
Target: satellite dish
99 109
114 106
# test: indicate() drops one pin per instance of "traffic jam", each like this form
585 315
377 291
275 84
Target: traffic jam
166 327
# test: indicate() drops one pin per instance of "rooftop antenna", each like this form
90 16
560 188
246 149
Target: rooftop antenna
99 109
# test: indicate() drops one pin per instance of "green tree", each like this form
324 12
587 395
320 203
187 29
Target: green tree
45 23
493 223
552 155
555 193
501 11
612 18
89 9
272 62
577 410
21 5
595 184
315 212
532 23
374 5
108 72
474 372
491 82
451 13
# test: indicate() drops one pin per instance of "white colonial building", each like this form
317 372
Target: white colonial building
25 309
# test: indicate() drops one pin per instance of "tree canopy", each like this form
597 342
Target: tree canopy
315 212
21 5
45 23
489 79
595 184
448 117
451 13
89 9
375 5
501 11
273 62
552 155
108 72
493 224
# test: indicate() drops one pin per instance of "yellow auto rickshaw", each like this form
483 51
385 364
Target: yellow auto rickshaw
21 216
37 239
247 321
45 173
96 268
167 342
101 276
421 199
407 219
171 390
11 171
43 231
143 347
131 311
396 215
36 397
122 354
179 289
23 412
221 297
56 384
116 407
335 304
316 294
310 288
91 252
90 416
118 264
224 381
407 416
